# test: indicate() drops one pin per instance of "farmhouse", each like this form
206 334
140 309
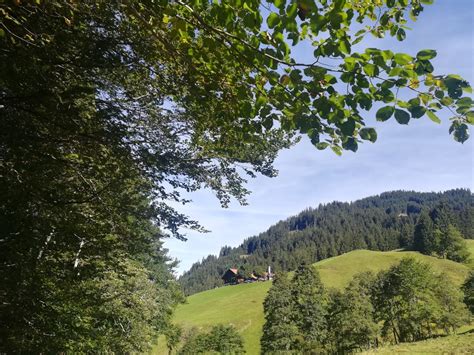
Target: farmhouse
232 276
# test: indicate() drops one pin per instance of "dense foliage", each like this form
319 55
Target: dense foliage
413 303
280 329
468 289
436 234
92 151
406 303
112 109
221 339
310 306
384 222
351 318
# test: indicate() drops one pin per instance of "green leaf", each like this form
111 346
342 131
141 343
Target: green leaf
345 46
350 144
401 34
402 116
417 111
280 4
267 123
322 145
461 133
336 150
368 134
261 100
384 113
357 40
465 101
291 10
273 20
348 127
371 70
426 54
402 58
470 117
447 101
433 117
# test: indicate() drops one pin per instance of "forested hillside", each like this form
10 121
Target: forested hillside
383 222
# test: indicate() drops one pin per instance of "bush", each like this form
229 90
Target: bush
221 339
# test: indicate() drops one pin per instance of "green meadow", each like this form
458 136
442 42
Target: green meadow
453 344
242 305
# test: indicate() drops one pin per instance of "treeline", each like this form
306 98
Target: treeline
383 222
436 234
406 303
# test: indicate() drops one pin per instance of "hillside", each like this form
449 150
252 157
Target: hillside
452 344
242 305
384 222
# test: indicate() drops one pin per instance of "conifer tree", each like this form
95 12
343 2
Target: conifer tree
424 238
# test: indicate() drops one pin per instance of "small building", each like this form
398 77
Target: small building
232 277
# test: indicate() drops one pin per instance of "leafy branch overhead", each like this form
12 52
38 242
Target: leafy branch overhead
323 99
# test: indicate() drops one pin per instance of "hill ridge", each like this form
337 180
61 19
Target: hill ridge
382 222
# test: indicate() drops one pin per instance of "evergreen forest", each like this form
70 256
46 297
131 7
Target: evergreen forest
383 222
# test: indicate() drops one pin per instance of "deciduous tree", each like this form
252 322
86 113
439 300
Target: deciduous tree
310 308
279 331
351 324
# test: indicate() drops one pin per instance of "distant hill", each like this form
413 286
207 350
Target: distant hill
242 305
383 222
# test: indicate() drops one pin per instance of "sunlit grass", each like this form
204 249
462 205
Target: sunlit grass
242 305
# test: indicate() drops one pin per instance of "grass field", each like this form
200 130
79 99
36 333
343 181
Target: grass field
453 344
242 305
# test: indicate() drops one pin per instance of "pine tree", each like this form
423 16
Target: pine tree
310 301
424 237
279 331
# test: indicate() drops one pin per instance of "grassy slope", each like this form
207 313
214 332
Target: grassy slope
453 344
242 305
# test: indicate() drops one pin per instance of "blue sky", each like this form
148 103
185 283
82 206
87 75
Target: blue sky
420 156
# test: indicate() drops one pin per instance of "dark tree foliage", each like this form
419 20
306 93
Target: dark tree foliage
92 150
468 289
436 233
425 240
280 330
382 222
